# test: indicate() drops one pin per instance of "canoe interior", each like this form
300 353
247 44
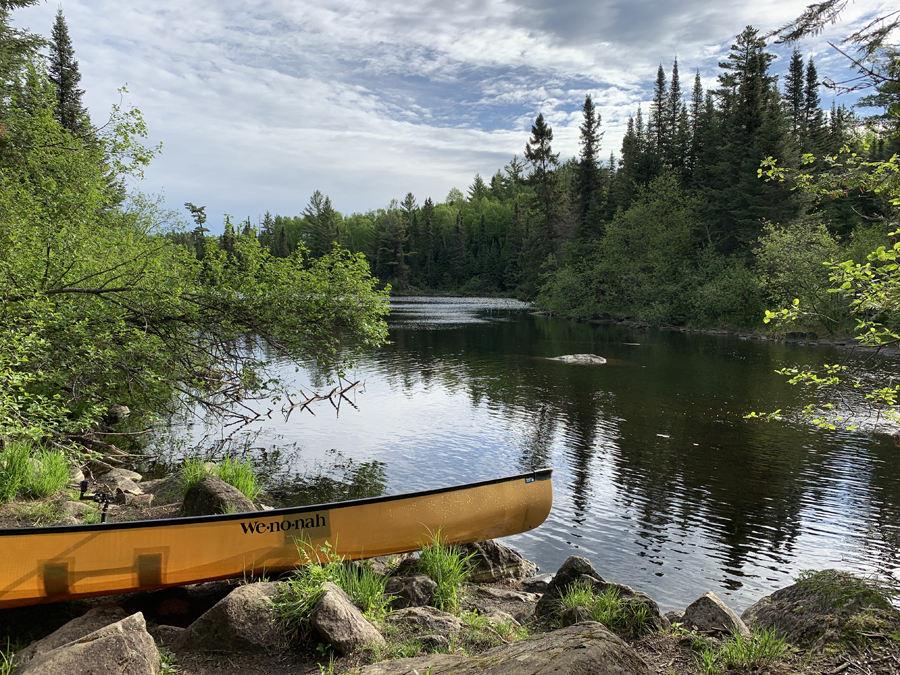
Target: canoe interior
51 564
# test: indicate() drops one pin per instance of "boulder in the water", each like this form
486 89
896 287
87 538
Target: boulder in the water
581 359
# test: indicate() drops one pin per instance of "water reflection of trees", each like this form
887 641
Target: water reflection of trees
339 479
740 484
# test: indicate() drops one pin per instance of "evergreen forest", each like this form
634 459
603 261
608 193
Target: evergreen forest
679 228
721 205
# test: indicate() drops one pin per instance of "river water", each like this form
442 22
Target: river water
658 478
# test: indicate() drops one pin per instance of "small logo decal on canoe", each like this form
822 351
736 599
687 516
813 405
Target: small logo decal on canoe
315 525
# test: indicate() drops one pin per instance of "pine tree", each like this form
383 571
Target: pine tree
543 162
426 243
267 232
676 146
794 93
393 236
753 127
814 138
589 187
70 111
320 222
477 189
657 125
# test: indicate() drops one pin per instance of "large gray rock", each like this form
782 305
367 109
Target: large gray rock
506 594
537 584
211 495
165 490
97 618
242 621
579 570
339 621
72 508
385 565
120 479
414 591
427 620
492 561
572 570
583 649
709 613
824 607
121 648
581 359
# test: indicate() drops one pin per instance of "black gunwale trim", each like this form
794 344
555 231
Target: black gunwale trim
538 475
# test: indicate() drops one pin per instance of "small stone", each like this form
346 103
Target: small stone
413 591
339 621
142 501
73 508
211 495
675 616
433 643
709 613
427 619
492 561
537 584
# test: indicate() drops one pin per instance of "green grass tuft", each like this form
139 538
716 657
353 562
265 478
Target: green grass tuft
6 659
49 474
762 649
239 473
31 473
15 466
298 595
618 614
448 567
236 472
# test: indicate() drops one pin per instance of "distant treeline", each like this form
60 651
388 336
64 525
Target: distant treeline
681 229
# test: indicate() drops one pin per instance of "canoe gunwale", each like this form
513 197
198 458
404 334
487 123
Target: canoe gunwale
537 475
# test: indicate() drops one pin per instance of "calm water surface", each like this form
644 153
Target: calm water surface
658 479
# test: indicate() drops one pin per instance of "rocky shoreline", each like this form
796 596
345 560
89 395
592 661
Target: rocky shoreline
509 619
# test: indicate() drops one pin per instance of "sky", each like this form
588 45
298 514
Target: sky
259 104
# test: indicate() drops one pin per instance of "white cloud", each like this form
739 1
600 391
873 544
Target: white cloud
259 104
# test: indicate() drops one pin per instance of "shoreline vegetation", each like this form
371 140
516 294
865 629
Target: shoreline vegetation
445 609
721 203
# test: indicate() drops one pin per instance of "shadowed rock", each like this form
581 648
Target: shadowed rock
121 648
585 648
339 621
414 591
709 613
211 495
427 620
824 607
492 561
579 570
97 618
242 621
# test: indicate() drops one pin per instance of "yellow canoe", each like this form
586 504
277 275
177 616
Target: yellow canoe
49 564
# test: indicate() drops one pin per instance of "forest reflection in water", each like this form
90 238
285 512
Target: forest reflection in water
659 479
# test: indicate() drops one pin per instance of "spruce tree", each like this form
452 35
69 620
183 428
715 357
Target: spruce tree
814 138
657 124
426 243
320 223
477 189
753 127
589 188
676 145
70 111
543 162
794 94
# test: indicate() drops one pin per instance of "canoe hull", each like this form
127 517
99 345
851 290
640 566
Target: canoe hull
63 563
